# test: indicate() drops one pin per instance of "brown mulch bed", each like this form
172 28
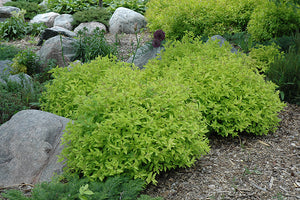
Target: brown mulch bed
245 167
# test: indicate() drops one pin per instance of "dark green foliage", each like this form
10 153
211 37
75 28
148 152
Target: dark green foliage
13 27
32 8
16 27
70 6
88 47
33 1
91 15
15 97
242 41
285 72
114 188
235 99
8 52
26 61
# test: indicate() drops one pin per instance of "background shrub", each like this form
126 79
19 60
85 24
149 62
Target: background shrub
15 97
206 17
70 6
32 8
265 55
14 27
285 72
91 15
26 61
235 99
126 123
136 5
34 1
274 19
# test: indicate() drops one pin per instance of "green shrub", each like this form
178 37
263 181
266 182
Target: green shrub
264 56
234 98
91 15
114 188
26 61
206 17
125 123
88 47
16 27
285 72
272 19
33 1
8 52
136 5
70 6
32 8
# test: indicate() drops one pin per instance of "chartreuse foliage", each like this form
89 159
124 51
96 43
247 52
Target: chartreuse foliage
264 56
134 126
274 19
114 188
124 122
235 98
59 98
205 17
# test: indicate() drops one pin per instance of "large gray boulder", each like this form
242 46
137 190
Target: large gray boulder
6 12
52 50
90 26
144 54
29 145
46 18
64 20
125 20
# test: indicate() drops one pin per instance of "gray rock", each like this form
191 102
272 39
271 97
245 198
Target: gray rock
52 49
6 12
22 79
54 31
144 54
125 20
29 145
46 18
64 20
91 26
5 67
44 4
221 42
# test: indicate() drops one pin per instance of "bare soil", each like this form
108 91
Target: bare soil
246 167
